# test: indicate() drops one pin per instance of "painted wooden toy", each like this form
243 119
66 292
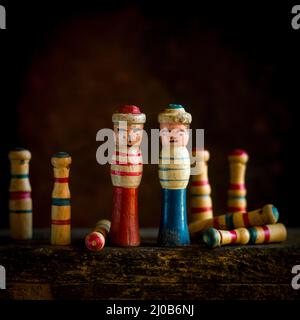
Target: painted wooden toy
237 190
95 241
201 204
174 173
61 204
267 215
20 202
268 233
126 175
217 238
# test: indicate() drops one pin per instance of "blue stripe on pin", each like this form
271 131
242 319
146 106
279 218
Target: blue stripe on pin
20 176
253 235
237 197
229 221
61 201
20 211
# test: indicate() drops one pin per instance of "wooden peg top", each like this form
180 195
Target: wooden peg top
61 160
19 154
238 155
175 113
270 213
130 114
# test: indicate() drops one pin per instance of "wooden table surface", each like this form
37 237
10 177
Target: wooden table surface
37 270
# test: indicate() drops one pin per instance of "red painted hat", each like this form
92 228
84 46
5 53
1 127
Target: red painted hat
129 113
238 152
130 109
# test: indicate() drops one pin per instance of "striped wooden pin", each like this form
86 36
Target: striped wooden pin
61 204
126 174
174 173
267 215
217 238
237 190
95 241
201 203
20 202
268 233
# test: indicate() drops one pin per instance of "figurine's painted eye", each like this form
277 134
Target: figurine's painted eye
164 132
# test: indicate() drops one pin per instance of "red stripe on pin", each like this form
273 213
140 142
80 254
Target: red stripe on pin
199 210
233 236
18 195
61 180
121 163
266 233
199 183
236 209
123 173
61 222
237 186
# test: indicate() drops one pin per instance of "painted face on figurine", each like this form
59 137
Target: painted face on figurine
174 134
129 135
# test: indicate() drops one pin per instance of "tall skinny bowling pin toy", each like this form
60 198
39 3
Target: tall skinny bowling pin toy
201 204
95 241
174 174
237 190
126 174
20 203
61 205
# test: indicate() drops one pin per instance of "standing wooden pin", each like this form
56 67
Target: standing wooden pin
174 174
201 204
237 190
20 202
61 205
95 241
126 175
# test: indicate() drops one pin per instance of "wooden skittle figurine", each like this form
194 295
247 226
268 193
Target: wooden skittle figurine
217 238
268 233
201 204
126 175
267 215
61 203
95 241
237 190
20 202
174 174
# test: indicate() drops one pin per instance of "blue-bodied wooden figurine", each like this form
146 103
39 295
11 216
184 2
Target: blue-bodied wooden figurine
174 174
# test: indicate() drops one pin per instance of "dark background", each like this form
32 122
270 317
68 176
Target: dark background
64 70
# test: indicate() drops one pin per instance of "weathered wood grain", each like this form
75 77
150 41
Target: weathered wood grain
37 270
